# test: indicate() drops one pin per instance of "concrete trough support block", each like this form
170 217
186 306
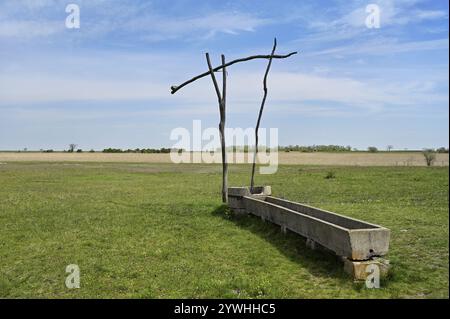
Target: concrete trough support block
236 195
311 244
359 270
236 205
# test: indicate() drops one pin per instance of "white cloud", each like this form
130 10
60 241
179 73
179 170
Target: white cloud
430 14
382 46
25 19
348 23
391 13
244 92
28 29
158 27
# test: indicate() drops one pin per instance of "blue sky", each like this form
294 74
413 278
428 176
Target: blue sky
107 83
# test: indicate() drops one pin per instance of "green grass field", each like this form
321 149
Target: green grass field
159 231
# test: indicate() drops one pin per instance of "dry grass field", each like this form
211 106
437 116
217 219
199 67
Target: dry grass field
290 158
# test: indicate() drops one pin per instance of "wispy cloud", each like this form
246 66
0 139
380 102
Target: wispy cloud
46 18
382 46
286 88
161 28
347 23
29 29
391 13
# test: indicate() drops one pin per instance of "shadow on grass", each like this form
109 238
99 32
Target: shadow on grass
319 262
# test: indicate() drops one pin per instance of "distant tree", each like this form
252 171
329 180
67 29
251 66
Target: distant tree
91 151
389 148
430 156
79 150
72 147
372 149
112 150
442 150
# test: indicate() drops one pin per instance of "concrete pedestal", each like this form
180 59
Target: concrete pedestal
359 270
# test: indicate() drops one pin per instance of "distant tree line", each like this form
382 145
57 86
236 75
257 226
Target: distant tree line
339 148
137 150
315 148
246 149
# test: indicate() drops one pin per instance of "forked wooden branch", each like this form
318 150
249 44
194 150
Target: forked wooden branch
221 97
175 88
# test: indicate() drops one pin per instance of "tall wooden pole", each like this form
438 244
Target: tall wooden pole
222 134
252 181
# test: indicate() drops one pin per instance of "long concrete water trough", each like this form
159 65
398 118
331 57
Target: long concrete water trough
358 243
